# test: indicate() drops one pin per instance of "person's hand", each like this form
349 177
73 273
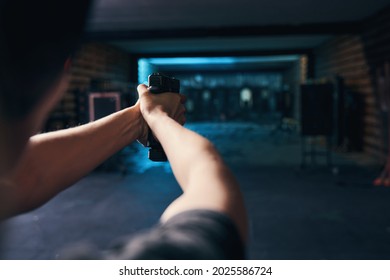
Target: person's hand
153 106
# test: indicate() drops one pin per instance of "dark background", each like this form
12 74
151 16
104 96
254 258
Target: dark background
326 210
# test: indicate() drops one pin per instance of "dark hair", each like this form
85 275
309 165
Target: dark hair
36 38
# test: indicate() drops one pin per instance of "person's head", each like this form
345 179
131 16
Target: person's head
37 38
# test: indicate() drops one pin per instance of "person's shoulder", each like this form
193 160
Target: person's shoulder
193 234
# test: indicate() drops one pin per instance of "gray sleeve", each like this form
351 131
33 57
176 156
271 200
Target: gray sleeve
195 234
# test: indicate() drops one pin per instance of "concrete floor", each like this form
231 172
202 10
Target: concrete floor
316 213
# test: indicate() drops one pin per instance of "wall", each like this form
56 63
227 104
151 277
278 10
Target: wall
344 56
93 61
376 42
356 59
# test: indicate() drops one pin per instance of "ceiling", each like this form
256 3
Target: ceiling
173 14
201 26
221 44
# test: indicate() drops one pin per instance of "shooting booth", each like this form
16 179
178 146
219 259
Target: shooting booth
102 104
317 122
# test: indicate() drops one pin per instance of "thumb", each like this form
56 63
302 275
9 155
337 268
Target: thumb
142 89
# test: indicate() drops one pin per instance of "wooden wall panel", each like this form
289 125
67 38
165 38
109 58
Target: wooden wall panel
357 59
344 56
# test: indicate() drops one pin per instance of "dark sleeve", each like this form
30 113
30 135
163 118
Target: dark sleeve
195 234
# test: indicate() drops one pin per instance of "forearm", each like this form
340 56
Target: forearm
186 150
205 179
55 160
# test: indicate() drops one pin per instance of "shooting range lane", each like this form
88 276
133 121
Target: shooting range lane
294 214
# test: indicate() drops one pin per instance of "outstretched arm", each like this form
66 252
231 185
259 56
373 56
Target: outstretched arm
53 161
206 181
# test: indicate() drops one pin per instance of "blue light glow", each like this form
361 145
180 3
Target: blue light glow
149 65
191 60
220 60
